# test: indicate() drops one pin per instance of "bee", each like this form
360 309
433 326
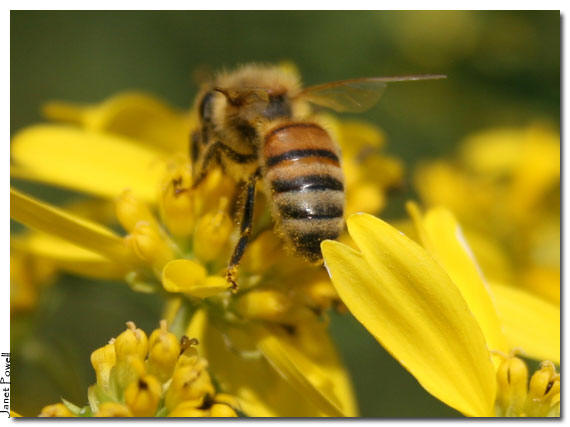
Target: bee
256 124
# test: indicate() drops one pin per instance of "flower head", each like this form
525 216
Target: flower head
141 377
512 213
178 239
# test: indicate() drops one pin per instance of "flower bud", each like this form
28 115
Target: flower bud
266 304
130 349
190 382
132 342
212 233
176 204
149 244
512 376
262 252
57 410
542 391
142 396
103 359
164 350
113 410
222 410
318 292
188 409
130 211
227 399
124 373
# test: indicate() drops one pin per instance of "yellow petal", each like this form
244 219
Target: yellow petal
68 257
189 277
242 371
315 372
46 245
364 197
493 152
543 282
357 135
529 322
444 240
95 163
441 183
103 269
410 305
491 256
132 114
74 229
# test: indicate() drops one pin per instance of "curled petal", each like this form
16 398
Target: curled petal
411 306
189 277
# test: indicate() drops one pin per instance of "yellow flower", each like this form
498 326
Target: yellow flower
57 410
320 387
267 344
504 187
432 310
134 381
28 274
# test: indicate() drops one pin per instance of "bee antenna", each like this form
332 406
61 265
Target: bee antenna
222 91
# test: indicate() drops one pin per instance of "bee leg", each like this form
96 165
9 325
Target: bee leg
211 153
245 231
236 202
195 142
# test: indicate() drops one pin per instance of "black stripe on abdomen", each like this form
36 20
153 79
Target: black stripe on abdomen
319 211
307 183
298 154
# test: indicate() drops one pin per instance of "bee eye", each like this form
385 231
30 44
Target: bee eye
205 108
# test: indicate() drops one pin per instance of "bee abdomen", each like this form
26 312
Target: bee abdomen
308 218
303 175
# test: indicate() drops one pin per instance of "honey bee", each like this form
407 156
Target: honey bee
256 124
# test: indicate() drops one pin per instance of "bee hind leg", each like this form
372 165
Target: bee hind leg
245 231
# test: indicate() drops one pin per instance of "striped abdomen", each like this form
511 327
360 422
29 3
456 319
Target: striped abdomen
302 172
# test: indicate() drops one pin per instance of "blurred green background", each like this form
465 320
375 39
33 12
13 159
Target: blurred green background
503 69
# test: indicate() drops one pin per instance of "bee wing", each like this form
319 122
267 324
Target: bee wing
355 95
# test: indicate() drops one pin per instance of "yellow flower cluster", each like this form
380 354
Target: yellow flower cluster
517 397
179 240
266 342
149 377
134 142
504 187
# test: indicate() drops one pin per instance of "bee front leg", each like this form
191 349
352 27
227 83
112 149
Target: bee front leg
245 231
211 153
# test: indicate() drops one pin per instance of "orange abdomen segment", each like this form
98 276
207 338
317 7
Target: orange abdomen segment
301 165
